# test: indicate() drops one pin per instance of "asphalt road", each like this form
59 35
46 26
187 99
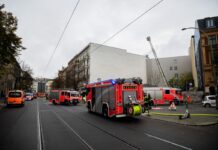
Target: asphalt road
40 125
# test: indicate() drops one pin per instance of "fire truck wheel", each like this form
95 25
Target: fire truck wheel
89 107
105 111
176 102
66 102
75 102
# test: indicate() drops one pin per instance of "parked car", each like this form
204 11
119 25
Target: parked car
209 101
29 96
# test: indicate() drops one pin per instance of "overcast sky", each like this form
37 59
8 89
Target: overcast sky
41 22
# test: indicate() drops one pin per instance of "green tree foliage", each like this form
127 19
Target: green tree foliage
26 81
10 43
181 81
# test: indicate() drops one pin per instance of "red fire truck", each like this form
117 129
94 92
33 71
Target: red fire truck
116 98
164 95
64 97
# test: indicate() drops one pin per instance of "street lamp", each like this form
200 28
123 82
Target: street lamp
211 48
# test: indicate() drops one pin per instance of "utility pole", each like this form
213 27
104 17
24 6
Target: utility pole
158 62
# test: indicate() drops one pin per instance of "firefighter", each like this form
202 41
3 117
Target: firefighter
147 102
84 99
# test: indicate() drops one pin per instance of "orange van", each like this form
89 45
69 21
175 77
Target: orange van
15 97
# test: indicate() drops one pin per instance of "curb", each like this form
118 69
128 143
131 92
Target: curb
168 114
182 123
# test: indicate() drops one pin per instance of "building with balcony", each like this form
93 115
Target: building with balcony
206 53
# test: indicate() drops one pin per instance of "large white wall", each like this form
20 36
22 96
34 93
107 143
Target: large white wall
182 64
111 63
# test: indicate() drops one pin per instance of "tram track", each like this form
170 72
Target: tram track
41 145
132 146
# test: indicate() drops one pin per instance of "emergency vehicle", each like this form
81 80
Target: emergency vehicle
64 97
164 95
116 98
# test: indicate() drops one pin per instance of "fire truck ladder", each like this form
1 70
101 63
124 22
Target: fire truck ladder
158 62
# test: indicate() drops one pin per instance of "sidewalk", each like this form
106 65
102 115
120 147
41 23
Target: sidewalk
200 116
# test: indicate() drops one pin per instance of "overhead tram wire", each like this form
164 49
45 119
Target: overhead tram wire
130 23
62 34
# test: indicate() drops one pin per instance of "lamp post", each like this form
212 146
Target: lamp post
211 48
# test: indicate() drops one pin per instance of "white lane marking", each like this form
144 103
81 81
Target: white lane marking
39 128
172 143
73 131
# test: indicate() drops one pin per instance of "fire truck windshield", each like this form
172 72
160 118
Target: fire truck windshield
75 95
178 92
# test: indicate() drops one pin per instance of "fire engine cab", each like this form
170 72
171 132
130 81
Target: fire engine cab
116 98
64 97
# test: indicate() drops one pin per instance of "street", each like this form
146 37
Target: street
40 125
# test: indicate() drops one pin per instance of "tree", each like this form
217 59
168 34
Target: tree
10 43
26 79
182 81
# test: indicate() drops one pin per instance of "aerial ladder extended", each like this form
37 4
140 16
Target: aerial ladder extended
158 62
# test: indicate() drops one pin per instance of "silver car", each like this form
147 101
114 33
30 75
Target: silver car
209 101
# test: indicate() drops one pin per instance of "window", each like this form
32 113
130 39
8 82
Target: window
210 23
171 68
215 54
175 67
212 40
211 97
14 94
167 91
62 93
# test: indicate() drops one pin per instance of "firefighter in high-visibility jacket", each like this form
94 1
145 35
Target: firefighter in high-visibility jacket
147 99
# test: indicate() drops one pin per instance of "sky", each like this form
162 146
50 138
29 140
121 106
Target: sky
41 22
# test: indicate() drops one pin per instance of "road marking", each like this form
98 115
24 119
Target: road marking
172 143
103 130
39 128
73 131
